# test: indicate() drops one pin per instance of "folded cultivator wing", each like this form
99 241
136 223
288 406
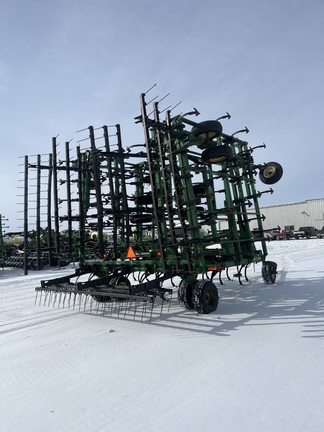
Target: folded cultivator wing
177 208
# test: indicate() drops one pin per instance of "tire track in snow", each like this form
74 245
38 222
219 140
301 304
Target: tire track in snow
35 321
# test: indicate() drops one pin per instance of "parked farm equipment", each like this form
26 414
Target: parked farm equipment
3 254
177 209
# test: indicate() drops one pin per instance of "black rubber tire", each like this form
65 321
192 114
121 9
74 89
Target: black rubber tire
269 272
141 218
101 298
199 190
185 295
207 130
144 199
217 154
120 281
271 173
205 297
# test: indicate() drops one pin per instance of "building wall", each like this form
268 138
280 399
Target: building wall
305 213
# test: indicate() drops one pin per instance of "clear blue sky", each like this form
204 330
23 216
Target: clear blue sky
68 64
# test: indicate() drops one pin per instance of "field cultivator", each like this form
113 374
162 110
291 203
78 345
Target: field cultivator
176 208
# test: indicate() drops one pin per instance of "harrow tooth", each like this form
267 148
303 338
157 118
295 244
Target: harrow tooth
127 308
162 303
169 301
80 302
55 297
85 301
91 303
97 308
60 298
69 301
36 296
64 298
74 300
47 294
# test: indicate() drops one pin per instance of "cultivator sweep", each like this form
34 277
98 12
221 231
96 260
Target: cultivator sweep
176 208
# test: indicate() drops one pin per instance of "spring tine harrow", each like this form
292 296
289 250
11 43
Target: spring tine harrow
117 305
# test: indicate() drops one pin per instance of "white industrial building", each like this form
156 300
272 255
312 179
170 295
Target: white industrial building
304 213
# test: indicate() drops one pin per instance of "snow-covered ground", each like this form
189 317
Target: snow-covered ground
256 364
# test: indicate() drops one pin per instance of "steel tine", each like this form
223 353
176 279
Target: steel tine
120 306
65 294
69 303
146 305
143 309
117 308
54 301
114 305
104 307
40 297
80 301
170 300
111 306
91 303
162 303
45 297
74 300
135 309
60 298
85 301
107 306
130 305
49 298
36 297
153 301
97 308
127 305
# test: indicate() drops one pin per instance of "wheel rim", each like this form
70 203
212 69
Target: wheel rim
211 297
207 135
217 159
205 297
269 171
210 300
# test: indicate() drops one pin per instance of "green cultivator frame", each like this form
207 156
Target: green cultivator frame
177 207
